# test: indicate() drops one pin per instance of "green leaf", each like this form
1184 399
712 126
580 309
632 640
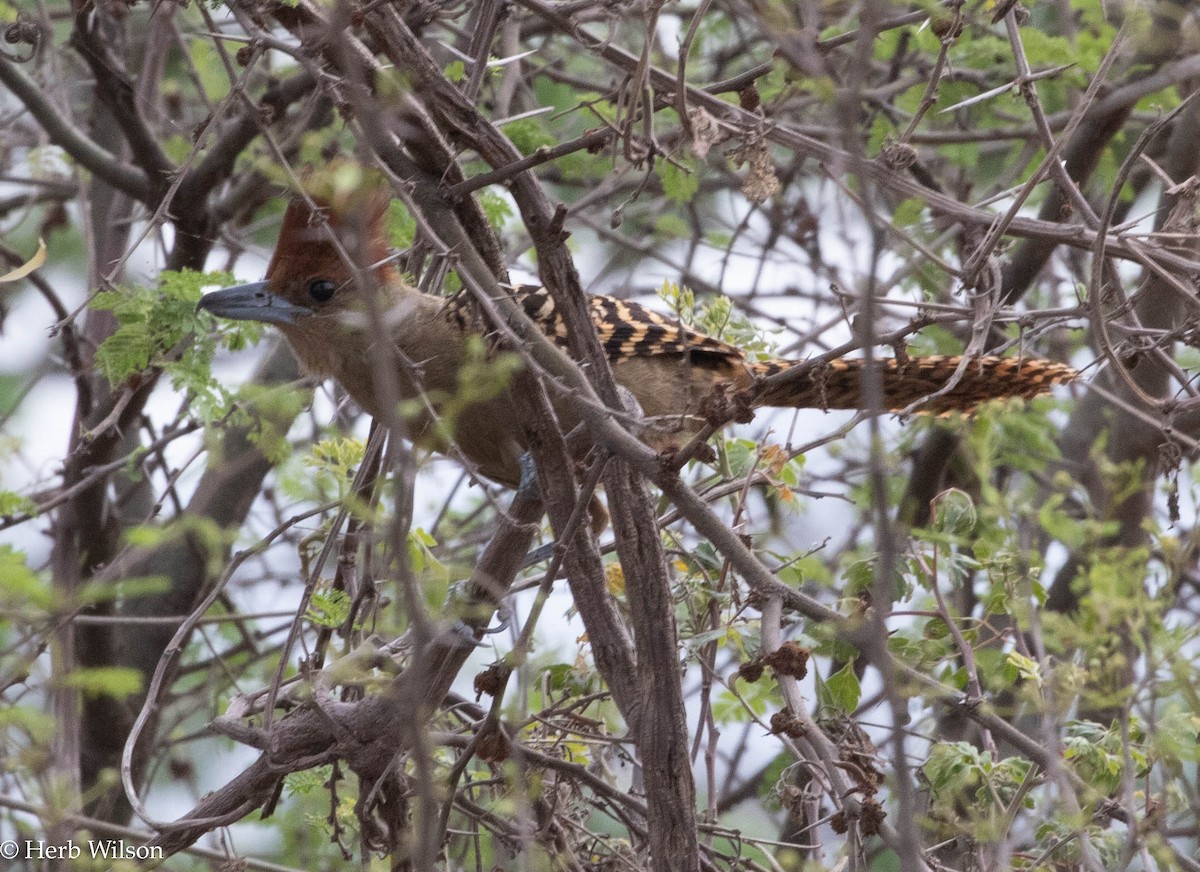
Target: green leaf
740 454
954 512
909 212
177 148
26 719
671 226
528 134
558 676
434 573
132 587
210 70
860 575
843 689
340 455
952 766
115 681
401 226
268 414
496 208
328 608
160 327
1020 666
307 781
680 182
20 586
13 503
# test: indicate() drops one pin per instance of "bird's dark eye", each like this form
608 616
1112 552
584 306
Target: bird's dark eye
321 290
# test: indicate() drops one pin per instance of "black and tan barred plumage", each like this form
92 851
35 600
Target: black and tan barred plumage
629 331
838 383
626 329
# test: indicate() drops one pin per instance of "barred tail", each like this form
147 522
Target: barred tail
838 384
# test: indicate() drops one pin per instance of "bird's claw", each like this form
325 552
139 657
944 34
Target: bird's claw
504 614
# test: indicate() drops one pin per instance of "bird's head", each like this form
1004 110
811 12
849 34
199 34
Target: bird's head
322 262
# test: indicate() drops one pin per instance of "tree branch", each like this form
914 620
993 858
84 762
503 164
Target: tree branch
71 139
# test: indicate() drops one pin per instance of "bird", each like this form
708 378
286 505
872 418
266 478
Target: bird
312 294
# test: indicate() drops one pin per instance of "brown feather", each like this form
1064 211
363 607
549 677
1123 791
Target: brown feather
669 368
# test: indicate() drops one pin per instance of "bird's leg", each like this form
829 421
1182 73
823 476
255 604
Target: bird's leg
538 555
593 507
528 485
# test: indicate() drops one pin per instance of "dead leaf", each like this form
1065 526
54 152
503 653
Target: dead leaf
26 268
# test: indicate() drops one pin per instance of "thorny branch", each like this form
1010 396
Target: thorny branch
387 70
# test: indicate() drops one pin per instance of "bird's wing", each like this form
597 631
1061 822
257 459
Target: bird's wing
626 329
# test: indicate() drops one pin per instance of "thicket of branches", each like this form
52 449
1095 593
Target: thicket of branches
959 644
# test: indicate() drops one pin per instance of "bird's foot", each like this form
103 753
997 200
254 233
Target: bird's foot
463 635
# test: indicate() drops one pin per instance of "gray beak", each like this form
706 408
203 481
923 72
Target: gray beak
253 302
